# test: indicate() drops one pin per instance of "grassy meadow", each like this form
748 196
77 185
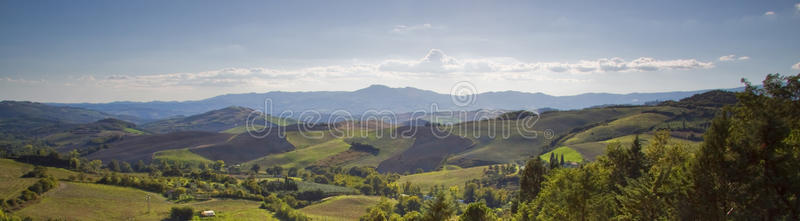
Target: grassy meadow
448 178
341 207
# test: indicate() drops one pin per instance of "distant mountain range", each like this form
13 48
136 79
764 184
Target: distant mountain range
375 97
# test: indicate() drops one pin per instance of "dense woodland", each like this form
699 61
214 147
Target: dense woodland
745 169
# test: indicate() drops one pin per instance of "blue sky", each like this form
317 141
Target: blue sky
100 51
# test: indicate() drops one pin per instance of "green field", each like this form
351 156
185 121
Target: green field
620 127
341 207
327 188
133 131
11 184
447 178
500 141
180 155
591 150
382 140
302 158
569 154
82 201
305 139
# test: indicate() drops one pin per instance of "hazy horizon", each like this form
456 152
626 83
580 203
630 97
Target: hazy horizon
177 51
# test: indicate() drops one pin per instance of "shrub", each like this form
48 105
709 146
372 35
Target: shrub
181 213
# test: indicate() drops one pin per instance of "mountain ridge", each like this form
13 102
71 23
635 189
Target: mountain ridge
376 97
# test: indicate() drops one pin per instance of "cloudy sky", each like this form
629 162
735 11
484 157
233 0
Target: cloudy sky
87 51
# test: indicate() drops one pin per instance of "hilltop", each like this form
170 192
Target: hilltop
377 98
215 121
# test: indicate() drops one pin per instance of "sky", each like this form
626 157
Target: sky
103 51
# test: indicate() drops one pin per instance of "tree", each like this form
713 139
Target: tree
126 167
661 193
255 168
181 213
574 194
470 192
439 208
140 166
219 165
562 159
114 166
380 212
637 159
553 161
74 163
531 179
477 212
412 216
747 166
408 204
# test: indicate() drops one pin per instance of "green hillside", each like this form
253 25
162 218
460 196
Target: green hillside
447 178
569 154
341 207
81 201
624 126
302 158
232 119
181 155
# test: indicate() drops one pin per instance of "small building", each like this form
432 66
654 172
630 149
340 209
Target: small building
207 213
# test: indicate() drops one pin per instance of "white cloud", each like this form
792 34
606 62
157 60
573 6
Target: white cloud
797 7
22 81
769 13
410 28
435 65
796 66
438 62
732 57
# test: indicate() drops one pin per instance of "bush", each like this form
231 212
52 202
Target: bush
181 213
38 172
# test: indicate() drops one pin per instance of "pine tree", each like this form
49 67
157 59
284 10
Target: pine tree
636 158
477 212
747 167
439 208
531 179
553 161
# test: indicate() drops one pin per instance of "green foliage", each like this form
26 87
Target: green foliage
575 194
662 192
439 208
747 168
282 210
380 212
408 204
626 163
531 179
181 213
37 172
477 212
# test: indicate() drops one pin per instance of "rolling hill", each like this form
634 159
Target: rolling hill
32 119
216 121
375 97
93 134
